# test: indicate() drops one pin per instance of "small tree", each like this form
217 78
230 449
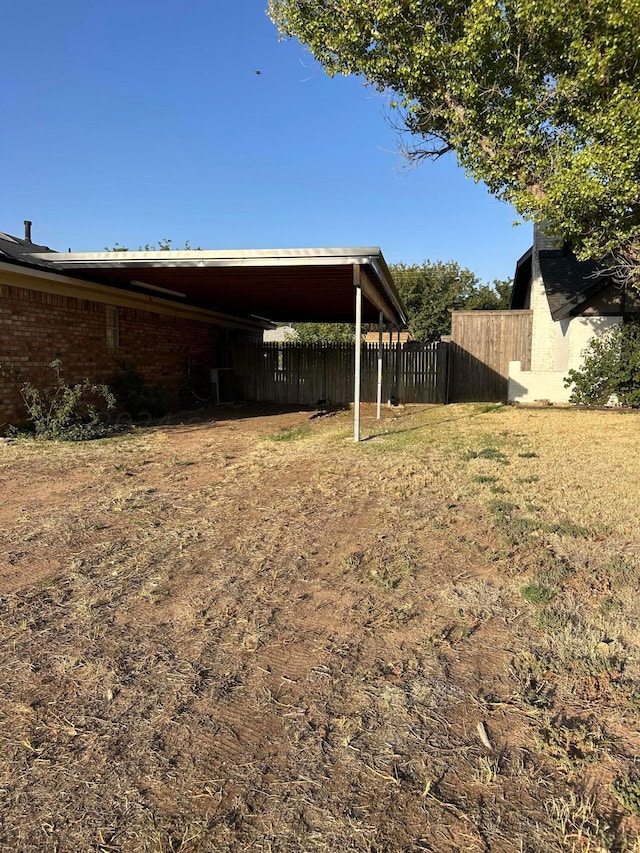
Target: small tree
610 369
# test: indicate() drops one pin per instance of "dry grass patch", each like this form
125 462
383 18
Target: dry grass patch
214 640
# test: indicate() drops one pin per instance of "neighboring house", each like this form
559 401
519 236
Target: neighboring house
279 334
570 301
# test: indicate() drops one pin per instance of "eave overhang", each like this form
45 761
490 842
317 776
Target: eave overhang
45 280
281 285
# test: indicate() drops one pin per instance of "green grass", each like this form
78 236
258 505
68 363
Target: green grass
290 433
492 453
485 478
538 593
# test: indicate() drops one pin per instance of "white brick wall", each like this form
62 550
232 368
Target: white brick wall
532 386
556 348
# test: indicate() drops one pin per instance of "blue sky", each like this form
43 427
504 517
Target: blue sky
134 121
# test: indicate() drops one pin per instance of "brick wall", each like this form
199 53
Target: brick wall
37 327
557 347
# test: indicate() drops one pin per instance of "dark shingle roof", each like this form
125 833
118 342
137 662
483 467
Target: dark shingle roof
18 251
569 282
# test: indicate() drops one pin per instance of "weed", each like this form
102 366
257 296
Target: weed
448 635
389 571
579 646
568 528
290 434
517 529
533 672
63 411
353 560
532 478
571 742
555 569
487 769
502 508
536 593
627 790
622 571
610 606
528 454
485 478
550 620
488 453
490 408
578 825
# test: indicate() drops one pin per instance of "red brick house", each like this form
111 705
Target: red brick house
93 328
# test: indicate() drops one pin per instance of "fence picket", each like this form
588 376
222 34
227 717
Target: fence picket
303 374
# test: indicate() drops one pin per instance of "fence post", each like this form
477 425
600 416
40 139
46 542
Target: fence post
397 367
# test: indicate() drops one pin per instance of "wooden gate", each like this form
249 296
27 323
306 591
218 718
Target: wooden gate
482 344
307 374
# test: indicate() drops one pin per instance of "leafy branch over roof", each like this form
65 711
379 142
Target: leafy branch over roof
537 98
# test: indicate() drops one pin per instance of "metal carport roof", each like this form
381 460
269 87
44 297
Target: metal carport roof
280 285
275 285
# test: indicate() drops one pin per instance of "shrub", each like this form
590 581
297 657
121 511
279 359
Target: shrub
136 396
63 411
611 369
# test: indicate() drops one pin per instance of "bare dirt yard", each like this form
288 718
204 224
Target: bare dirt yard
248 633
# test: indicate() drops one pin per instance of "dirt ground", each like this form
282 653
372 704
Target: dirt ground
247 633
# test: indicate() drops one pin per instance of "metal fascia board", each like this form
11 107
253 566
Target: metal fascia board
384 277
253 257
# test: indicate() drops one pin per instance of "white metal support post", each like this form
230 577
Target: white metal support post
358 354
379 396
398 367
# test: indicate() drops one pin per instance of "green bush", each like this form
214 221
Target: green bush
611 369
136 396
63 411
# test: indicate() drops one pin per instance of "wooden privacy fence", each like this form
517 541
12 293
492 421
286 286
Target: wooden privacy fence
482 344
304 374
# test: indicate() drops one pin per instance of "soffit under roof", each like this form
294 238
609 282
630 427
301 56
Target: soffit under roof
283 285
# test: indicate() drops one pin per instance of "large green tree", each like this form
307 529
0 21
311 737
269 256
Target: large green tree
540 99
315 333
432 290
